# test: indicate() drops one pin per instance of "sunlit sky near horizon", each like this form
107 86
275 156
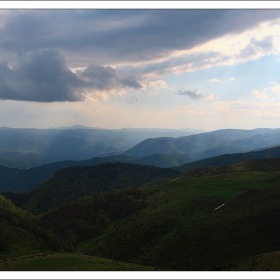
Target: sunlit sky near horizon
193 68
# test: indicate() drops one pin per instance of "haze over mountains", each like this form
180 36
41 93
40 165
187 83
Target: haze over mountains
25 148
217 148
209 144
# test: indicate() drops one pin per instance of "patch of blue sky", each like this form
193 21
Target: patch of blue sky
233 81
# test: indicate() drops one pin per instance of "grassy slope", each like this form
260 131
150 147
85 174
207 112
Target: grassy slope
185 207
172 207
20 241
264 262
246 226
19 234
179 229
66 262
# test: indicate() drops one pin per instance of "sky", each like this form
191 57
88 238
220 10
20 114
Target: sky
110 67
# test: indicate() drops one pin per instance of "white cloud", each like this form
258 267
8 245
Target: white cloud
214 80
262 95
242 109
211 96
276 89
267 94
159 83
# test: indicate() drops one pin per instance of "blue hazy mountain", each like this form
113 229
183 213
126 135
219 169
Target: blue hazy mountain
26 148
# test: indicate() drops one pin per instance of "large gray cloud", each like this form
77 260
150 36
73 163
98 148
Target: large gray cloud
106 37
114 36
105 78
43 76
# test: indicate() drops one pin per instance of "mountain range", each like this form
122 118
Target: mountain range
209 144
20 180
25 147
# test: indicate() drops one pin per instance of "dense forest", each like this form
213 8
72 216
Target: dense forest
147 218
72 183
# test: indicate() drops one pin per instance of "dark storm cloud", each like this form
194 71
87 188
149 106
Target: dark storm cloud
43 76
193 94
40 76
91 38
113 36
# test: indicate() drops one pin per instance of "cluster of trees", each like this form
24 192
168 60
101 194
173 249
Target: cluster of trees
72 183
16 217
90 216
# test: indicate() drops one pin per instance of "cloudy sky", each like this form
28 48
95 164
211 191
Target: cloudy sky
113 68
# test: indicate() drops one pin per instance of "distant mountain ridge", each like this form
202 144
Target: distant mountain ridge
24 180
28 147
209 144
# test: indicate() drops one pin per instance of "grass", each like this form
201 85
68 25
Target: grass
179 229
171 207
66 262
181 195
20 242
263 262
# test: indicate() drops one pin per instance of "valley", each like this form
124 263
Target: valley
218 213
139 137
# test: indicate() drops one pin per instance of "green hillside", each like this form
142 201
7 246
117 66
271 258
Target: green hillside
233 158
16 180
20 233
244 227
209 218
262 262
66 262
89 216
74 182
180 216
27 246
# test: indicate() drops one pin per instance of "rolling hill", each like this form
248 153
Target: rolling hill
200 223
20 233
22 180
208 218
227 159
72 183
209 144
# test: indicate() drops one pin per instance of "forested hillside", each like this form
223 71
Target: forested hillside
208 218
74 182
22 180
227 159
